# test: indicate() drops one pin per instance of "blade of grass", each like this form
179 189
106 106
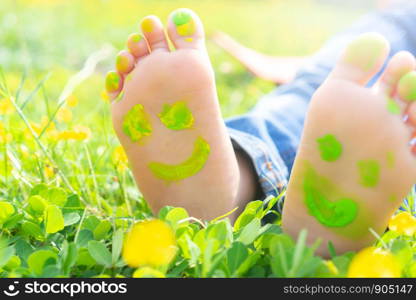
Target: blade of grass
298 253
35 91
4 89
94 179
21 84
78 78
42 147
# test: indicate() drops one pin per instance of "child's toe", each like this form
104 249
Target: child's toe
152 28
406 87
137 45
113 84
185 29
400 64
362 58
124 62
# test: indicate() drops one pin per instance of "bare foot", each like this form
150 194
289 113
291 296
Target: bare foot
276 69
355 163
169 121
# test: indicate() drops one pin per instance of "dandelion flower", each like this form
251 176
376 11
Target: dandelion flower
66 135
38 128
119 155
6 106
48 171
120 158
82 132
149 243
64 115
374 262
72 101
78 133
403 223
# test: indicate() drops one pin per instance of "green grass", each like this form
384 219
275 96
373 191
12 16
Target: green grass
65 204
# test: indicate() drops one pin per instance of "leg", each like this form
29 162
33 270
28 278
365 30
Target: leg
276 69
270 133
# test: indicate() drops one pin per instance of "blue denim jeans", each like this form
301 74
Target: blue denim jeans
270 133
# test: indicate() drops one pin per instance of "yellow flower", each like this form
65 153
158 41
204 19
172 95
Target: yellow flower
374 262
120 158
83 132
64 115
119 155
150 242
72 101
79 133
66 135
48 171
403 223
38 128
6 106
147 272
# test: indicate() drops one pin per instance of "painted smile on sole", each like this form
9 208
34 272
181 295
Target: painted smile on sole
318 191
187 168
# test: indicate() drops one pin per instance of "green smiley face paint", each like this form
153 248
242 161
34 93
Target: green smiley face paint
369 171
184 23
318 191
177 116
407 86
393 107
136 124
186 169
330 148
